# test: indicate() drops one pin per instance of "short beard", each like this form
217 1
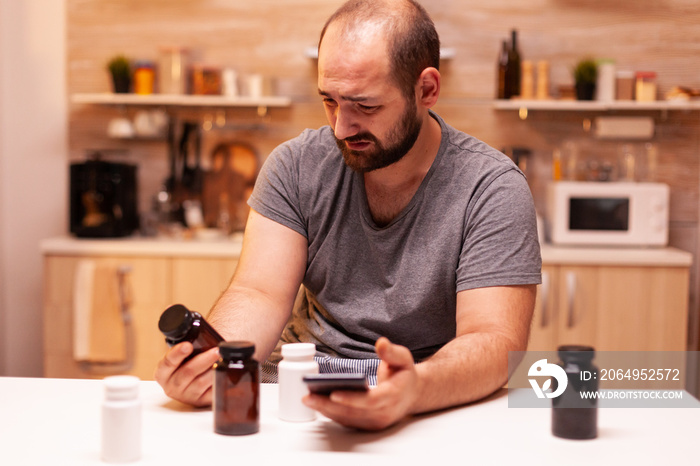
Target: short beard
401 139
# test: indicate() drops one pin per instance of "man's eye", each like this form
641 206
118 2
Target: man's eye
368 108
328 102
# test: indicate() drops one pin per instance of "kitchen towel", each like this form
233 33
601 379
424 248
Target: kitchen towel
99 333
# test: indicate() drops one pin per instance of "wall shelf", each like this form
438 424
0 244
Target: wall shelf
446 53
172 100
594 106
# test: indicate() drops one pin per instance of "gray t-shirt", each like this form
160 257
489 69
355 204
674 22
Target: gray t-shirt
470 224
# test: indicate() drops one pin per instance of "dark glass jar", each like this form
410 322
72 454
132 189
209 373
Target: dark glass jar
236 389
179 324
575 416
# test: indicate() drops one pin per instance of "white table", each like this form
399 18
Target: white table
57 421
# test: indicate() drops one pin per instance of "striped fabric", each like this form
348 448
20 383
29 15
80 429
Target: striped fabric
327 364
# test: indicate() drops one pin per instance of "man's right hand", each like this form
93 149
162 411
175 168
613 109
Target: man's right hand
190 383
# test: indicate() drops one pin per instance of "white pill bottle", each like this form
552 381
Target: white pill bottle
297 361
121 420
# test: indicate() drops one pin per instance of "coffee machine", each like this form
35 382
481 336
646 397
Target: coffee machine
103 199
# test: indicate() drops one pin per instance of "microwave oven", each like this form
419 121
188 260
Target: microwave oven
585 213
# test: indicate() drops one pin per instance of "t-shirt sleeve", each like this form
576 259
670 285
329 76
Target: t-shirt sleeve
500 245
276 191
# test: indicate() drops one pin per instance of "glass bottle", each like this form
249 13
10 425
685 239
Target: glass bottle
179 324
575 416
236 389
512 73
298 361
502 63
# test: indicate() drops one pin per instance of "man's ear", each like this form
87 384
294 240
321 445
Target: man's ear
428 87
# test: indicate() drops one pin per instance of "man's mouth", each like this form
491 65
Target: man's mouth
357 145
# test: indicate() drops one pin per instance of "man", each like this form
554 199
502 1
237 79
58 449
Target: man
397 225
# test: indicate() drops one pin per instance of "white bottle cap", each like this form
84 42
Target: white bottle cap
298 350
121 387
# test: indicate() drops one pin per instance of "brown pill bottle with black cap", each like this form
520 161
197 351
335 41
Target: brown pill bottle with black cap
180 324
236 403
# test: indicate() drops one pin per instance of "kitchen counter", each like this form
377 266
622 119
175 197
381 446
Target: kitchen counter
231 248
57 421
661 257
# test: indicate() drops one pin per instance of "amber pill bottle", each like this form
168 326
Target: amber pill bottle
236 389
179 324
575 416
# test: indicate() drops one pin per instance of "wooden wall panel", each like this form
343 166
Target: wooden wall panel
270 37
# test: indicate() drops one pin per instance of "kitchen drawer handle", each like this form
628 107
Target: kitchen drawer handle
544 290
125 299
570 298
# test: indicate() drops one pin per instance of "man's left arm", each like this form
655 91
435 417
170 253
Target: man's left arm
490 322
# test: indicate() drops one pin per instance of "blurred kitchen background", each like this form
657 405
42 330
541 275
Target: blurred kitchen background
55 110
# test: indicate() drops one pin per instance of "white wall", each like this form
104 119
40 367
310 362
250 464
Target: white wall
2 236
33 169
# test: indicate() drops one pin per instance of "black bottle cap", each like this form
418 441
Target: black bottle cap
236 349
576 353
175 321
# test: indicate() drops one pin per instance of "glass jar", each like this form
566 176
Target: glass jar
144 77
645 86
205 80
171 70
624 85
236 389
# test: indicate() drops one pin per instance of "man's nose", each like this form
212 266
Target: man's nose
345 125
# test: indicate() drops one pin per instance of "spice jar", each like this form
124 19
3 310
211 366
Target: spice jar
236 389
179 324
542 79
624 85
205 80
527 80
645 86
575 416
144 77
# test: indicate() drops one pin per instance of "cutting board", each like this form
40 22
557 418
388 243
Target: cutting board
229 183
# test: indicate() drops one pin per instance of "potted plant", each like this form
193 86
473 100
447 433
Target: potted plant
120 70
585 76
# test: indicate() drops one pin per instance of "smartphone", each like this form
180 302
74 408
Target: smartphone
324 384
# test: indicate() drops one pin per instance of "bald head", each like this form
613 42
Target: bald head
402 26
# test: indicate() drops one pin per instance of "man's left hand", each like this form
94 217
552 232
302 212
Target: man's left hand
382 406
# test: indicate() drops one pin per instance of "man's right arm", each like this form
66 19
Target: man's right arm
255 307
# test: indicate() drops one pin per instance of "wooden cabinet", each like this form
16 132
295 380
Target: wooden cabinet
150 284
612 307
198 282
